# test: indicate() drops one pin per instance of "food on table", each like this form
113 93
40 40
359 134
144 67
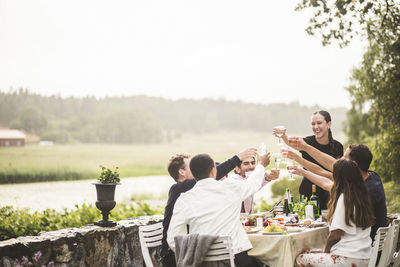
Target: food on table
273 228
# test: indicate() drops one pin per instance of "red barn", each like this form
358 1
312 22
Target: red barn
12 138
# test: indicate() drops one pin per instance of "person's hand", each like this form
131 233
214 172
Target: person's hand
297 143
264 159
275 130
273 174
297 170
247 153
292 155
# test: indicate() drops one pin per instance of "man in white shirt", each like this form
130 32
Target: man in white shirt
242 171
213 208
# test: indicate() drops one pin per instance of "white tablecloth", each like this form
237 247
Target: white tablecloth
282 250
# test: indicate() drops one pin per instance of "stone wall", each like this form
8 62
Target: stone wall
86 246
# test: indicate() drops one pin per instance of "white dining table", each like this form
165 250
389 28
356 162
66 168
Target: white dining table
281 250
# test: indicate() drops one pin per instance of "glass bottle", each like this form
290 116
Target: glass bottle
315 200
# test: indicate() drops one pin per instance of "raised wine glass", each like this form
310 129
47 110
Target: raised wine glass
284 152
290 163
277 159
262 149
279 131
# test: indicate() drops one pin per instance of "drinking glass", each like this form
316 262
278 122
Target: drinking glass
284 152
290 163
277 158
292 140
262 149
279 131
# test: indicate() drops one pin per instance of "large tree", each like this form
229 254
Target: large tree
374 118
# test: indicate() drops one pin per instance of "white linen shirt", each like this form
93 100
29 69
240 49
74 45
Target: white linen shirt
213 207
249 201
355 242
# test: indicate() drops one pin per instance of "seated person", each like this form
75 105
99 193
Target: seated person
350 217
179 170
213 207
247 165
363 157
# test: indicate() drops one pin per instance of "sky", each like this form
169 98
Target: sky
254 51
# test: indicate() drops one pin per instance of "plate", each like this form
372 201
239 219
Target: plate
272 233
253 230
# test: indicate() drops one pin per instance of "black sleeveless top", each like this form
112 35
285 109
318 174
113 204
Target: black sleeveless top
306 185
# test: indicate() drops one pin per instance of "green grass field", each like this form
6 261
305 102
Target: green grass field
81 161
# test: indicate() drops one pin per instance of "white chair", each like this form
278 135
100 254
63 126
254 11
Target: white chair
221 249
150 236
395 256
382 242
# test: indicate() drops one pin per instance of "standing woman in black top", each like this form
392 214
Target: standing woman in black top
322 140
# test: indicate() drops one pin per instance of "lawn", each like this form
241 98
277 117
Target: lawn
81 161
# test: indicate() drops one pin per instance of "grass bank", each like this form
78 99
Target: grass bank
34 163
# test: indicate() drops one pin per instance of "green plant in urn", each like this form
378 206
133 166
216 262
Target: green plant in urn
105 189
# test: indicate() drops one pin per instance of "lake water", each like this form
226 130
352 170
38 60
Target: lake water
65 194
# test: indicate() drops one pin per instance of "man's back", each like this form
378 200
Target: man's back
375 188
213 208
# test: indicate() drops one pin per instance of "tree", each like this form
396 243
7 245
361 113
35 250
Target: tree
31 120
374 118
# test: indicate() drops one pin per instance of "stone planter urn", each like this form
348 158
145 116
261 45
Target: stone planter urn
105 190
105 203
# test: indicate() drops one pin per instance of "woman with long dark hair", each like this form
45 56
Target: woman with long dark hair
321 124
350 218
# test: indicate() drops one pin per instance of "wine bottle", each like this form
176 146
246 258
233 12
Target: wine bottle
315 200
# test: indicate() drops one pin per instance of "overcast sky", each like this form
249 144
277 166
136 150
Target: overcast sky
256 51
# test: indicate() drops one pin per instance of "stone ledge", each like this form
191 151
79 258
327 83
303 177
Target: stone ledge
86 246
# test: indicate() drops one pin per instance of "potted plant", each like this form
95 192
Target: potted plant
105 188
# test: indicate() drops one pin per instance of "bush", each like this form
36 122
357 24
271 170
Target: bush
21 222
14 176
392 197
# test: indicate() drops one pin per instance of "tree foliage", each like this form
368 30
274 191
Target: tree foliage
374 118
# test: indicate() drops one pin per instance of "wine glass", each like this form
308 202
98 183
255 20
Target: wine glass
284 152
277 158
279 131
262 149
290 163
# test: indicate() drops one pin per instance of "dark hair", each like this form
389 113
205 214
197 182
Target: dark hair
362 155
327 118
201 166
175 164
349 182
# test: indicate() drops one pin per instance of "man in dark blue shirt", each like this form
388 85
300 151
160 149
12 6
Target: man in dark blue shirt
363 156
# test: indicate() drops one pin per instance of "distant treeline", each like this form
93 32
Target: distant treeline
144 119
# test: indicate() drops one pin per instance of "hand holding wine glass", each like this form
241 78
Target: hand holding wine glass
296 170
247 153
290 164
297 143
279 131
273 174
284 152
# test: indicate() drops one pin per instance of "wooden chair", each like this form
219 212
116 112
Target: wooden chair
382 242
150 236
220 250
395 256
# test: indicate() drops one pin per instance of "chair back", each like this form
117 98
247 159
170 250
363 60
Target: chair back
381 243
395 236
221 249
150 236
